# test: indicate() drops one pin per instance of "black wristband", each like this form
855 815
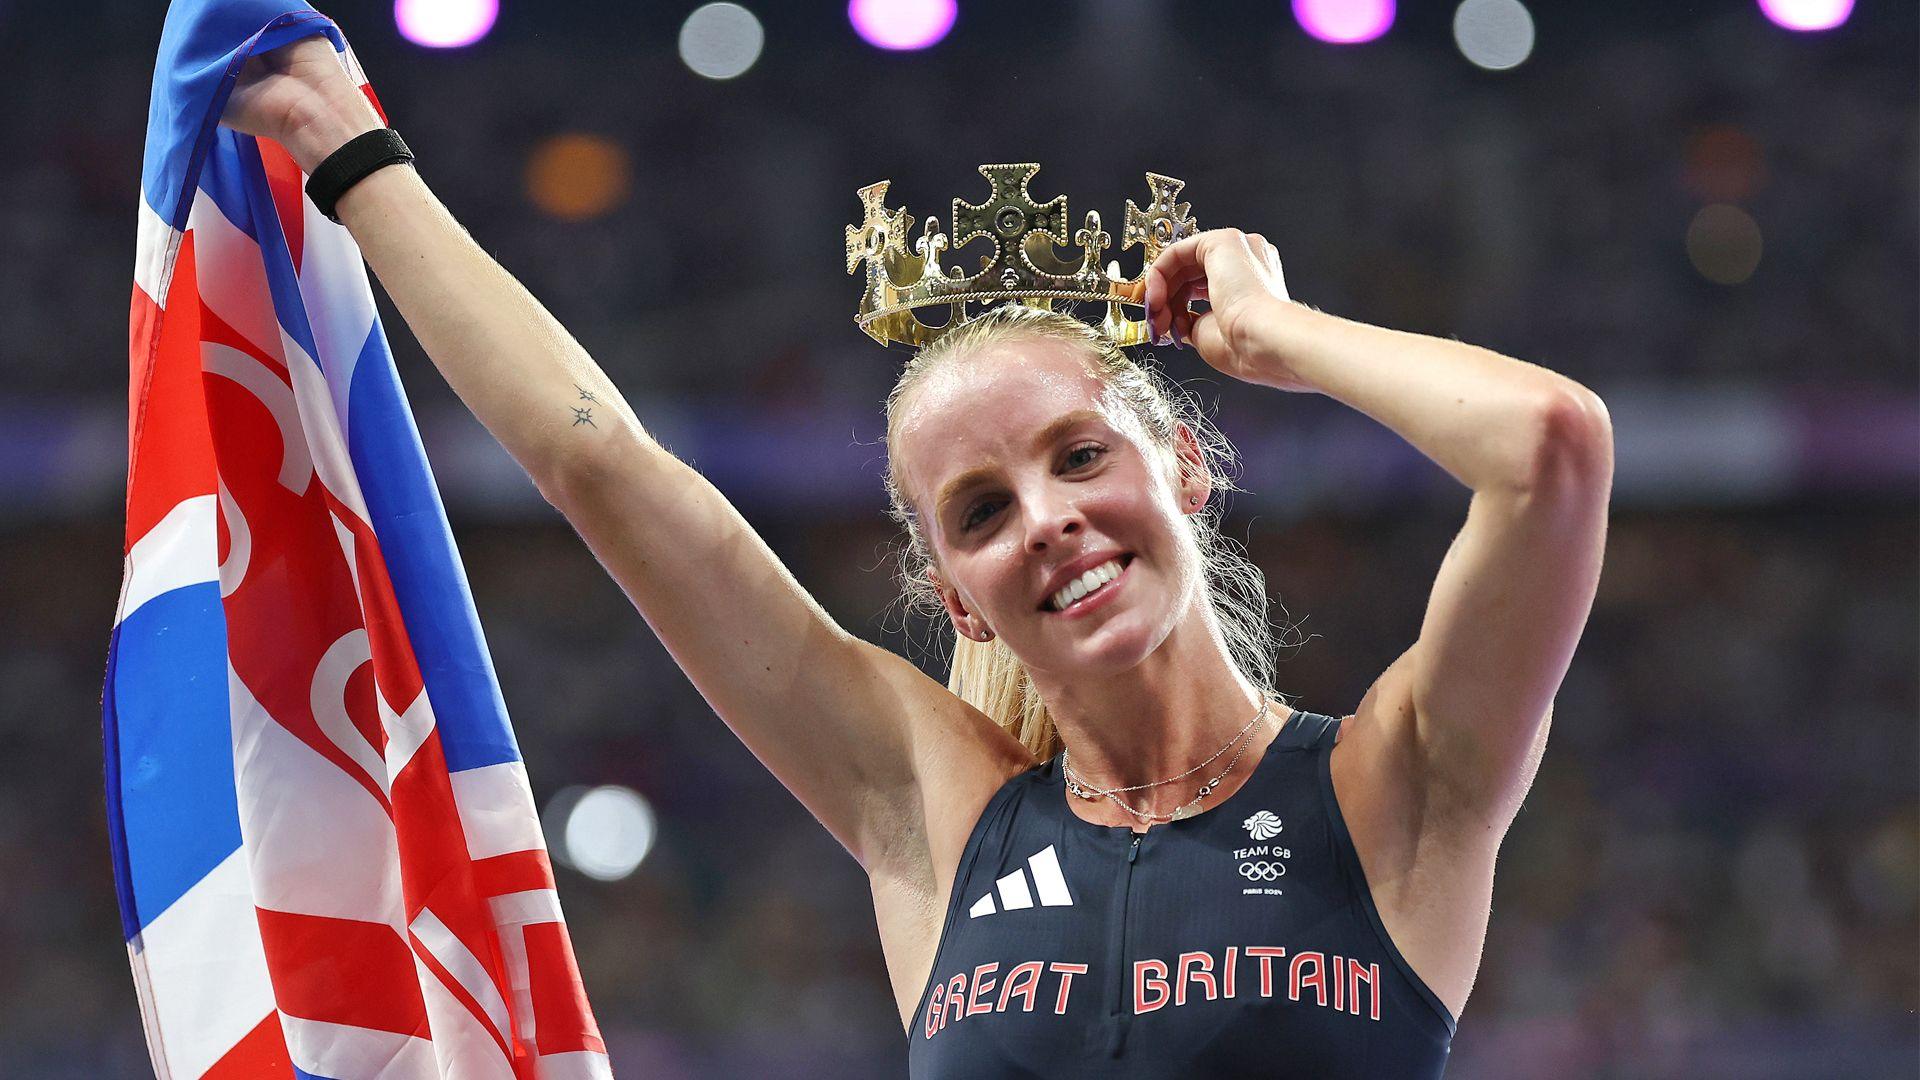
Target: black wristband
351 163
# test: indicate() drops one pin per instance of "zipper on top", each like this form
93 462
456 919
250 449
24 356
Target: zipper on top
1118 954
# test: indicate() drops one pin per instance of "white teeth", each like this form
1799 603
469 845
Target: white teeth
1086 583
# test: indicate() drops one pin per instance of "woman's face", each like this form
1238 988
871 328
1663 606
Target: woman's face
1020 468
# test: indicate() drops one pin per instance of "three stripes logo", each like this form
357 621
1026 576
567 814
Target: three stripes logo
1048 882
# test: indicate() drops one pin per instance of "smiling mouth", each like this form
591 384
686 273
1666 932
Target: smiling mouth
1077 593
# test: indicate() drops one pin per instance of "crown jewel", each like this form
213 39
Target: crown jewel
1024 266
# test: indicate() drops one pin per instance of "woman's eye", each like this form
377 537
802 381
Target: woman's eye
974 516
1087 449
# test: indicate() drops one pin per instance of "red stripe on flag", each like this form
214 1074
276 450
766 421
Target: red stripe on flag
435 870
289 196
395 668
342 971
262 1053
363 710
367 89
562 1021
165 408
516 871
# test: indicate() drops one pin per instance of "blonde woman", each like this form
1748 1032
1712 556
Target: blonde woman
1107 848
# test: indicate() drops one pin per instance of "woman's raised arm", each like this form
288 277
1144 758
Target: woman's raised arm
859 735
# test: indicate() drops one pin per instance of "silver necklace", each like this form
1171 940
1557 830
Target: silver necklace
1078 786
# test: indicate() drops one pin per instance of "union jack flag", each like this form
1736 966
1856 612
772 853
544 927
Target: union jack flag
328 858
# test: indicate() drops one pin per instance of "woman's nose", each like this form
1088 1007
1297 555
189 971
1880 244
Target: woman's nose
1051 519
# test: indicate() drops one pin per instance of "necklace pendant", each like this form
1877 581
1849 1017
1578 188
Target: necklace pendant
1183 813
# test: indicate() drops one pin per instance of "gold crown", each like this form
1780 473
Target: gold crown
1023 268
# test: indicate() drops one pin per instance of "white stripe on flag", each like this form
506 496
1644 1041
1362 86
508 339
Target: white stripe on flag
326 438
178 551
233 568
578 1065
347 543
154 250
327 697
526 908
513 957
203 972
339 301
1048 880
496 810
348 869
461 1042
466 969
407 731
325 1049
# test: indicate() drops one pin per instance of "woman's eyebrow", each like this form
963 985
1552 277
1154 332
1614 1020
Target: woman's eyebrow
1054 429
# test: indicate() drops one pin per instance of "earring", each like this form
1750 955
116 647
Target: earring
1194 501
985 635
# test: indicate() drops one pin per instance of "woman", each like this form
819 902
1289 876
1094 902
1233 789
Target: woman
1103 912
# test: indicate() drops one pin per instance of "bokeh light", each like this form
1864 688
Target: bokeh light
1723 165
445 24
1344 22
1724 244
1493 34
604 832
578 176
721 41
902 24
1807 14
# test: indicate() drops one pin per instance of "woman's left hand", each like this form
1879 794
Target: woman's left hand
1238 275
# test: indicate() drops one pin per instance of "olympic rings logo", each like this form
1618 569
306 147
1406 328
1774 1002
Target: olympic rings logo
1263 871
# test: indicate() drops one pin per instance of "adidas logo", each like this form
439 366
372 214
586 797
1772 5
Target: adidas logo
1048 881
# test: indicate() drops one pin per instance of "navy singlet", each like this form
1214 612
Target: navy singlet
1241 942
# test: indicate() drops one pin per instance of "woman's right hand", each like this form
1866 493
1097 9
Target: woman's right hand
299 96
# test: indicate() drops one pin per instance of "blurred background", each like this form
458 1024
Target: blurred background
1705 211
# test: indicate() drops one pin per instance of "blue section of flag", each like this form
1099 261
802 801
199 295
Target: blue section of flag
282 281
170 744
428 582
198 63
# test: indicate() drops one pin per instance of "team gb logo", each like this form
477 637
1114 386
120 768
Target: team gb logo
1263 825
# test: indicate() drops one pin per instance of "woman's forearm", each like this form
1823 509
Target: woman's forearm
503 353
512 363
1481 416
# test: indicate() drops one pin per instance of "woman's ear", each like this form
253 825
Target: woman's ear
1195 483
965 623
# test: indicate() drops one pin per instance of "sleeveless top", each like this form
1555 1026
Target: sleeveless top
1242 941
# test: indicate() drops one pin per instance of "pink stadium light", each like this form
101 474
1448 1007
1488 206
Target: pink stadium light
902 24
1807 14
445 24
1344 22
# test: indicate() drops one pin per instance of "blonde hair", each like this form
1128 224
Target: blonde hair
987 675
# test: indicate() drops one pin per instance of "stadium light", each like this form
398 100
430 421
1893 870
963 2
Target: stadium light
445 24
603 832
900 25
1807 14
721 41
1344 22
1493 34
